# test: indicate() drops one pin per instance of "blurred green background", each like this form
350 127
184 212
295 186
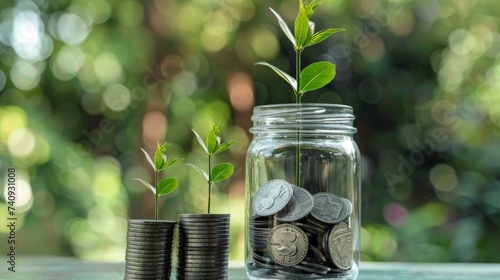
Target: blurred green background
85 83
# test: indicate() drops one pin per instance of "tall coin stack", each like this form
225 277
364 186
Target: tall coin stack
203 247
296 235
149 247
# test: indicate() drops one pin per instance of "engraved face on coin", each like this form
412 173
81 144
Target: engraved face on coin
271 197
299 206
340 246
287 244
329 208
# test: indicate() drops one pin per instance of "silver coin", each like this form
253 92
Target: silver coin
225 277
310 262
271 197
140 275
205 259
328 208
151 224
150 235
317 254
148 272
129 276
309 228
313 222
299 206
146 239
340 246
142 267
202 274
287 244
219 232
147 260
348 205
203 217
266 265
310 269
152 248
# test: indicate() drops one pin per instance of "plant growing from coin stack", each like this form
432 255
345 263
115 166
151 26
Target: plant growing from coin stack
213 146
313 76
166 185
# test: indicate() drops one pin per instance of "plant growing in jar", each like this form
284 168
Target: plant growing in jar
160 162
213 146
313 76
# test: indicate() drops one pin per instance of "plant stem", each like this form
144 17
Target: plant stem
298 96
156 195
209 181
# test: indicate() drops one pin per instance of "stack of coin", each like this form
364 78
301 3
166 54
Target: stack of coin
149 247
307 235
203 247
259 231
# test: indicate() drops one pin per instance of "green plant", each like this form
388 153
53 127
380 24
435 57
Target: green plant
160 162
213 146
313 76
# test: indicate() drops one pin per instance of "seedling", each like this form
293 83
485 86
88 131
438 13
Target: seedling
160 162
213 146
313 76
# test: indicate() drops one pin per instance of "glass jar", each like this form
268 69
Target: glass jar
302 193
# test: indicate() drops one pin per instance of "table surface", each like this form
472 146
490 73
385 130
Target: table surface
54 268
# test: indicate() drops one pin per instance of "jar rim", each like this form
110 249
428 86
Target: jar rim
304 105
307 117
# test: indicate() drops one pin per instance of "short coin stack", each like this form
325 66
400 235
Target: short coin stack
296 235
203 247
149 247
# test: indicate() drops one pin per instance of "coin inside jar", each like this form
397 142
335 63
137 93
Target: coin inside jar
287 244
329 208
299 206
271 197
340 246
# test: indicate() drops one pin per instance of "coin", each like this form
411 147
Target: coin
137 275
147 240
203 217
287 244
328 208
299 206
340 246
154 224
348 205
317 254
310 269
166 235
271 197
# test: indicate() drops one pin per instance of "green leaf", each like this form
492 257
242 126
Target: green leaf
146 184
316 75
221 171
212 138
159 155
224 146
148 158
170 163
205 174
309 8
289 79
284 27
200 141
301 28
323 35
167 186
